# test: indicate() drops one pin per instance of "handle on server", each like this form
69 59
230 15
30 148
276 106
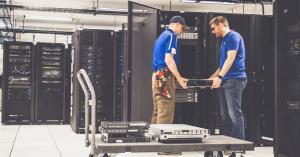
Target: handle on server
87 87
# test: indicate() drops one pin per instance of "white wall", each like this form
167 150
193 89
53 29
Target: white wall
48 38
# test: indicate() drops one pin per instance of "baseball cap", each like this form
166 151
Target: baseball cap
179 19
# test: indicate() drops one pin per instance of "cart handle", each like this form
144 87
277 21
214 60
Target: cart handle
84 80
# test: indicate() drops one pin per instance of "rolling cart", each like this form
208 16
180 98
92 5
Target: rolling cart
213 146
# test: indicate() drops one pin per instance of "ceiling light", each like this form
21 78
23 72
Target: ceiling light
113 9
217 2
190 1
210 2
48 18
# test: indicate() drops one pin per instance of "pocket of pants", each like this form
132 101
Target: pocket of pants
230 83
244 83
163 100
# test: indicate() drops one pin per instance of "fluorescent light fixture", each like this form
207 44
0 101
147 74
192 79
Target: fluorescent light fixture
121 10
113 9
190 1
217 2
48 18
207 2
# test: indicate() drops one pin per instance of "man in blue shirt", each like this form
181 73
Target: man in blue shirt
230 77
165 62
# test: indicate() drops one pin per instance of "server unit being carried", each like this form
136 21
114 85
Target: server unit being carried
93 51
18 83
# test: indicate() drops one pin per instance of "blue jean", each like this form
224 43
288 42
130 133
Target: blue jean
230 98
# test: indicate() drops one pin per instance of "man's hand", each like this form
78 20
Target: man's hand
183 82
216 82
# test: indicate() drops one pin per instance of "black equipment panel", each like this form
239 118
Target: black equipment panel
18 82
51 105
287 78
94 52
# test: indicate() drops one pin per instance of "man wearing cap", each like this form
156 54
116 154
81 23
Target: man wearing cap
165 62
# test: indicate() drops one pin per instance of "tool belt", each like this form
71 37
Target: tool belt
162 77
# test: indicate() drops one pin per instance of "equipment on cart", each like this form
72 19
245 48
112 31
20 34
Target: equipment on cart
213 145
177 133
124 132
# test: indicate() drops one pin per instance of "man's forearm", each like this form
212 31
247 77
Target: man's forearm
215 74
172 67
227 65
228 62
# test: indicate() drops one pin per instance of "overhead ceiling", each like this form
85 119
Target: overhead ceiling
27 18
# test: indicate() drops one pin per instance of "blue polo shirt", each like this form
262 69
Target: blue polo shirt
165 43
233 41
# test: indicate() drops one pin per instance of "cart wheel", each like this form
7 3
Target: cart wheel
220 154
105 155
232 154
91 155
210 154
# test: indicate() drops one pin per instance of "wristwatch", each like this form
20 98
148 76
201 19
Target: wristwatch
220 77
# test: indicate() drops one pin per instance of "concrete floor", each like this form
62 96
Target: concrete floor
61 141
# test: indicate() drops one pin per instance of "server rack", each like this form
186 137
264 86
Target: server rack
67 82
287 78
118 58
125 74
93 51
264 43
18 83
50 78
142 32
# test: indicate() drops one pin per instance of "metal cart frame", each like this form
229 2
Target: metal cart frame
213 146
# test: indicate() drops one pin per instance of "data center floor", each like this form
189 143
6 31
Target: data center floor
61 141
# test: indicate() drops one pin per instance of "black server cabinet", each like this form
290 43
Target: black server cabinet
258 97
118 59
67 82
264 78
93 51
287 78
18 83
142 32
51 89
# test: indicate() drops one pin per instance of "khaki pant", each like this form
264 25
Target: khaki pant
163 108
